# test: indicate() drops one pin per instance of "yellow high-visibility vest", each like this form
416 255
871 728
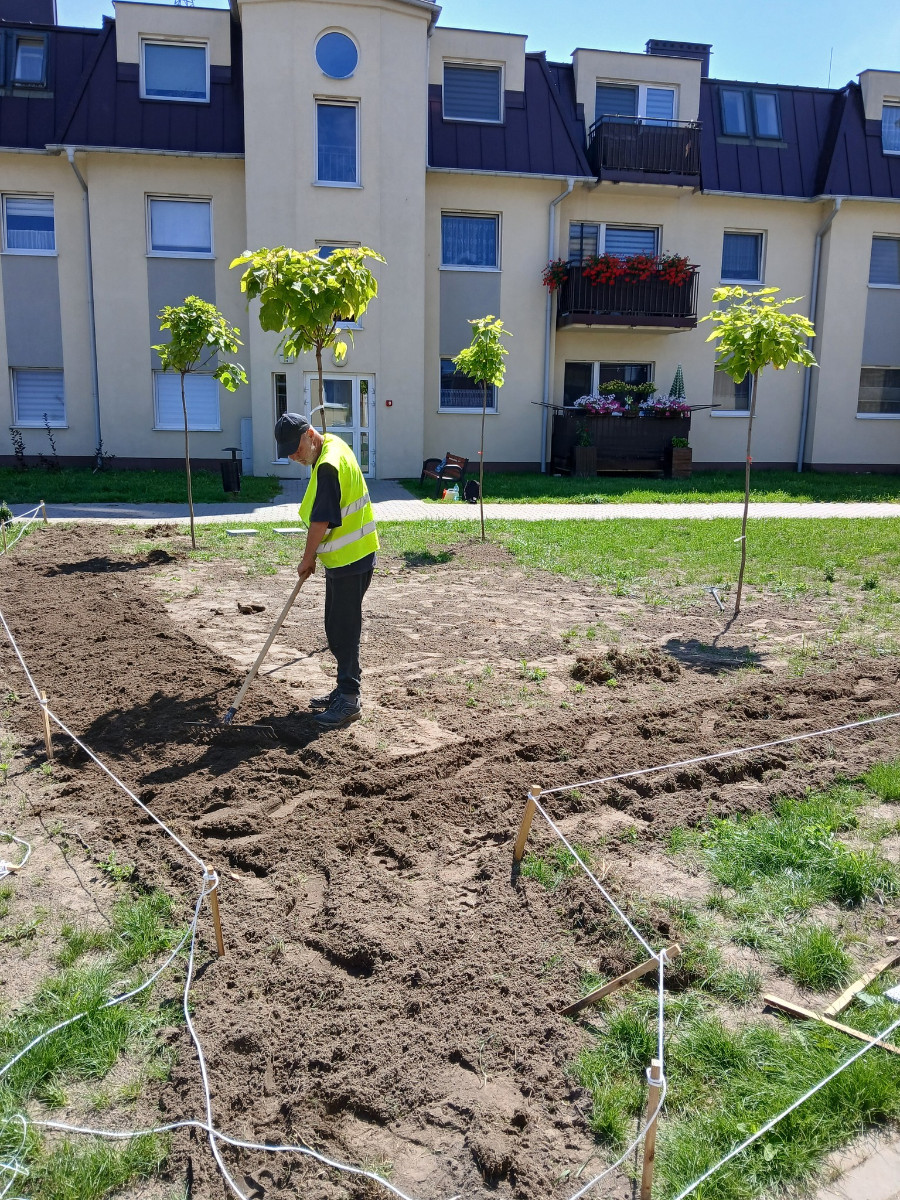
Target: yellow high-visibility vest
356 536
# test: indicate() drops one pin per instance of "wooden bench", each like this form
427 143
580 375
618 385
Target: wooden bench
447 470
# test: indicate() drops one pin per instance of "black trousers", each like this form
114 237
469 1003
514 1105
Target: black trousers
343 625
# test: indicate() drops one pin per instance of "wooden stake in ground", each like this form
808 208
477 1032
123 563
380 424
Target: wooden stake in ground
48 740
653 1094
795 1010
216 916
618 982
3 531
858 984
524 829
44 511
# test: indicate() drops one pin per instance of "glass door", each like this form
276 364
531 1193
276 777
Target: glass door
349 413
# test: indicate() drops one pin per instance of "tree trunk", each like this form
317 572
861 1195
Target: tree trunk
481 459
187 464
740 584
321 389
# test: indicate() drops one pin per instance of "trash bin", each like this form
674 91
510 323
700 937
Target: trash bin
231 471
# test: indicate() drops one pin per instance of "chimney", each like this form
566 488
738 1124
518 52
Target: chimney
696 50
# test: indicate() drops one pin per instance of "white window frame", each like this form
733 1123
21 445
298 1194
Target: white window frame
888 103
641 114
336 102
730 412
13 387
602 227
195 43
7 249
339 244
480 65
870 416
178 426
760 233
494 216
885 237
476 408
207 200
597 363
17 37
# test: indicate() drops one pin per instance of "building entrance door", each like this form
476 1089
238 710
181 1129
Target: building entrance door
349 413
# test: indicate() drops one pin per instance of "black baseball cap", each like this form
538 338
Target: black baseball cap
289 429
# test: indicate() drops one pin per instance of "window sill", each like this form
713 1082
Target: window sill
37 424
732 412
336 184
174 100
473 120
741 283
176 254
877 416
457 267
33 253
465 412
885 287
191 429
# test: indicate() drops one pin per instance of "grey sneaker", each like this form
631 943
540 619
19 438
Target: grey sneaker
326 701
340 712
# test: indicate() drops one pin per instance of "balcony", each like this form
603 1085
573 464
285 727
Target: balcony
645 303
632 150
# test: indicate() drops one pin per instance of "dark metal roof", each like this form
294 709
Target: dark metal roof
540 134
92 100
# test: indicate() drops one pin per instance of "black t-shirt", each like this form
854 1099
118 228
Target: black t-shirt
327 507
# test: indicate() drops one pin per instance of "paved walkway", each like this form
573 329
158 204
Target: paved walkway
393 503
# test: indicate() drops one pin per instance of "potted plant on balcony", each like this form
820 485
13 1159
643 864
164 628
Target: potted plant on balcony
585 452
682 458
603 268
675 269
555 274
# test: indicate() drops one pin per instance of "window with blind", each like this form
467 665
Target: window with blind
175 71
731 397
29 66
28 225
201 395
742 257
459 393
38 398
337 144
470 241
890 128
180 228
884 264
586 239
653 105
473 93
879 392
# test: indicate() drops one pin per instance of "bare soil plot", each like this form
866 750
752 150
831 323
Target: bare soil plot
390 994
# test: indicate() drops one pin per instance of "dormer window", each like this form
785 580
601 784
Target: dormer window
175 71
890 127
750 112
473 93
29 67
653 105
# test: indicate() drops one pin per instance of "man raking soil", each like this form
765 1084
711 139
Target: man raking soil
342 534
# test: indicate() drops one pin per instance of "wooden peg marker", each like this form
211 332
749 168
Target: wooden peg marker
3 531
653 1093
48 740
44 510
217 920
519 849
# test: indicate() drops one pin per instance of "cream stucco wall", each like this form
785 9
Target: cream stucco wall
386 212
135 21
51 175
473 46
878 86
594 66
119 185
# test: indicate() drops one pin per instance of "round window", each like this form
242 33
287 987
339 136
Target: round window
336 55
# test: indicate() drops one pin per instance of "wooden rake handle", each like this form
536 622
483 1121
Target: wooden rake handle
251 674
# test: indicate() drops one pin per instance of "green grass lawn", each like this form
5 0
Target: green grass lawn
705 487
79 485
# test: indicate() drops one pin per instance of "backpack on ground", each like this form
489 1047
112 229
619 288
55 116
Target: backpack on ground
471 491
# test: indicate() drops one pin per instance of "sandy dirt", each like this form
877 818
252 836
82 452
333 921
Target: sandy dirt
391 990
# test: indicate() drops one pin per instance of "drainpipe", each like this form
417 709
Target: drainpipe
548 321
89 264
813 301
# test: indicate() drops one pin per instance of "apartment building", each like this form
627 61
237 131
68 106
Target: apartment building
138 159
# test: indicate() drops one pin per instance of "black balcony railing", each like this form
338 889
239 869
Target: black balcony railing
627 144
653 301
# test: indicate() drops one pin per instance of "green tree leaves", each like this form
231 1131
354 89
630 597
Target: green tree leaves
753 332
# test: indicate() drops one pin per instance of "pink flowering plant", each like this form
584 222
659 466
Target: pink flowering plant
603 406
663 406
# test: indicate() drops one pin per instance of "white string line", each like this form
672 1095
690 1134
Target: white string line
8 868
593 878
634 1145
796 1104
12 542
15 1168
689 762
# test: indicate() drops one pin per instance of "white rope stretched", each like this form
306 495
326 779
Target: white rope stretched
690 762
10 868
32 517
770 1124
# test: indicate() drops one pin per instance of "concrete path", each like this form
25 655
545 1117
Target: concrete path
393 503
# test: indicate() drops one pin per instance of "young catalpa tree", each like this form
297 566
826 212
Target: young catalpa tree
199 334
303 297
482 360
753 332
